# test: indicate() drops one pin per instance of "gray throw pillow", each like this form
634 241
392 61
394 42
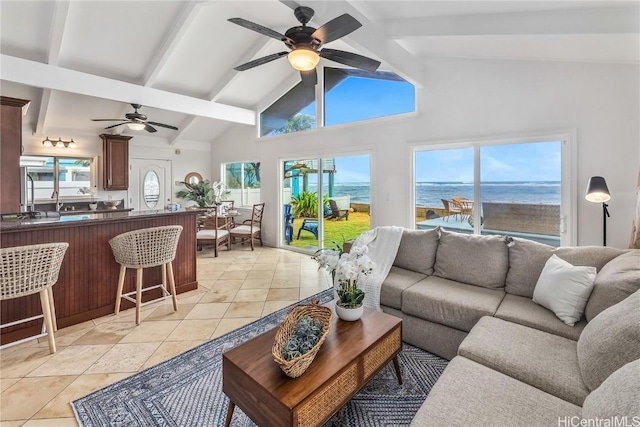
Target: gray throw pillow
609 341
618 396
618 279
476 260
526 261
417 251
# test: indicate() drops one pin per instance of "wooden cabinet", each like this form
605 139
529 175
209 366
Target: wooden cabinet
115 155
10 150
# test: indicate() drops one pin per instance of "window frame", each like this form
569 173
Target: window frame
568 174
242 202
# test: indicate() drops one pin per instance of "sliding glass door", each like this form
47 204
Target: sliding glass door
326 201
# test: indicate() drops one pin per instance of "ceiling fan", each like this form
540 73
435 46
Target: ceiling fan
136 121
305 44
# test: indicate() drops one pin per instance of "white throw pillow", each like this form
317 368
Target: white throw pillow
564 289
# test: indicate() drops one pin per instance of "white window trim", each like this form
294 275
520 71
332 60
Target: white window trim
223 175
568 173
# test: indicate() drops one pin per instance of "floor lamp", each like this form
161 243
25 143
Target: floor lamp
597 192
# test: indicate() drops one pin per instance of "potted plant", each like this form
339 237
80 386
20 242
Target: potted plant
348 271
203 193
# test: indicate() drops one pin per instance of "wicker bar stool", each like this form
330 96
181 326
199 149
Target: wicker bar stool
26 270
139 249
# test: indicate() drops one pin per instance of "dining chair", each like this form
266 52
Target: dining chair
214 231
250 228
450 209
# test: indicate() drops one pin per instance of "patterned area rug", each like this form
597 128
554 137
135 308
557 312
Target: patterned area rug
187 389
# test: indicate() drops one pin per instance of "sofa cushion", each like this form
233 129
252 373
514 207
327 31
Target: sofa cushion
476 260
396 282
618 279
546 361
609 341
450 303
525 312
417 250
617 396
469 394
564 289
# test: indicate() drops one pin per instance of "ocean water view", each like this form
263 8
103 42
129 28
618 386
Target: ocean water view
431 193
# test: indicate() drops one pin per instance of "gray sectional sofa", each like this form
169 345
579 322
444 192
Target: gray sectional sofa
468 299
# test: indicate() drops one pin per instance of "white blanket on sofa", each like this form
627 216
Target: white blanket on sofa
383 243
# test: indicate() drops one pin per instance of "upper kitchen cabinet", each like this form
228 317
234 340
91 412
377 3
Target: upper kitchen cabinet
11 110
115 162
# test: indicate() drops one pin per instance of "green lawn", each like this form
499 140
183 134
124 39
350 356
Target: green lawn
334 230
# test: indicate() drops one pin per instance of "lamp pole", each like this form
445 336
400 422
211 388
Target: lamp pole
605 215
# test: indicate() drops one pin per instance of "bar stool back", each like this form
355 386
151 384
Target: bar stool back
139 249
26 270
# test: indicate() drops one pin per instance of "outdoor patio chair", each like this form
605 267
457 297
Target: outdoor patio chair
250 228
450 209
310 225
464 205
214 231
289 220
337 213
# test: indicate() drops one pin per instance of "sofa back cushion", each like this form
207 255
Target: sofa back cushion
618 396
417 250
473 259
618 279
610 341
527 259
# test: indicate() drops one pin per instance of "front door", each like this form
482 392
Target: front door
149 184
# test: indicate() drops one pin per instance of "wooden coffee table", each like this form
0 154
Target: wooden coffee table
351 355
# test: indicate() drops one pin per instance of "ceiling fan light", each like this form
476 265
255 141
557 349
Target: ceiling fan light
136 126
303 59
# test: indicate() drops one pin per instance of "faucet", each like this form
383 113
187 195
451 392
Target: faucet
58 205
33 200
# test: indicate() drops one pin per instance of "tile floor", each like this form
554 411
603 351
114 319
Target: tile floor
234 289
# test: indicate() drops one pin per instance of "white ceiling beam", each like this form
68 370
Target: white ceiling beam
371 39
45 76
576 21
175 35
56 34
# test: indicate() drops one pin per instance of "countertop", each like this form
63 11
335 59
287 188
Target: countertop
78 219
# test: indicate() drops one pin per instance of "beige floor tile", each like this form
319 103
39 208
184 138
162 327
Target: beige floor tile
194 330
247 295
286 281
264 283
60 407
208 311
72 360
281 267
228 325
219 295
5 383
58 422
244 309
127 316
124 358
169 349
26 397
284 294
260 274
192 297
307 292
240 267
228 284
17 423
234 275
151 331
310 281
106 333
165 312
264 267
214 267
267 259
21 362
271 306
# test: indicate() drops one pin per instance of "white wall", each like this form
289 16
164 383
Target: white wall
472 100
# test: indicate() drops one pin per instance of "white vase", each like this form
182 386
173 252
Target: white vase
93 206
349 314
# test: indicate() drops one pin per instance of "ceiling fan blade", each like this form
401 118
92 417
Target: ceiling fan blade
260 29
113 126
309 78
350 59
260 61
150 128
163 125
336 28
105 120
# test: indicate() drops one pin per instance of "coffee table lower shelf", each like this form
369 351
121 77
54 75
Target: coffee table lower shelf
352 354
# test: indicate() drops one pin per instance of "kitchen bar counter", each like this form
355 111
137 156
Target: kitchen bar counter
86 286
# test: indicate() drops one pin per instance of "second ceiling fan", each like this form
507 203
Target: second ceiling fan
305 44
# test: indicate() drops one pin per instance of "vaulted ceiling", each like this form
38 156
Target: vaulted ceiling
78 60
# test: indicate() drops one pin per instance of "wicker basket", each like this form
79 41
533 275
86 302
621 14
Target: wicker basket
296 367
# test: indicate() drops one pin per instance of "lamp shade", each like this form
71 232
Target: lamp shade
136 126
597 190
303 59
